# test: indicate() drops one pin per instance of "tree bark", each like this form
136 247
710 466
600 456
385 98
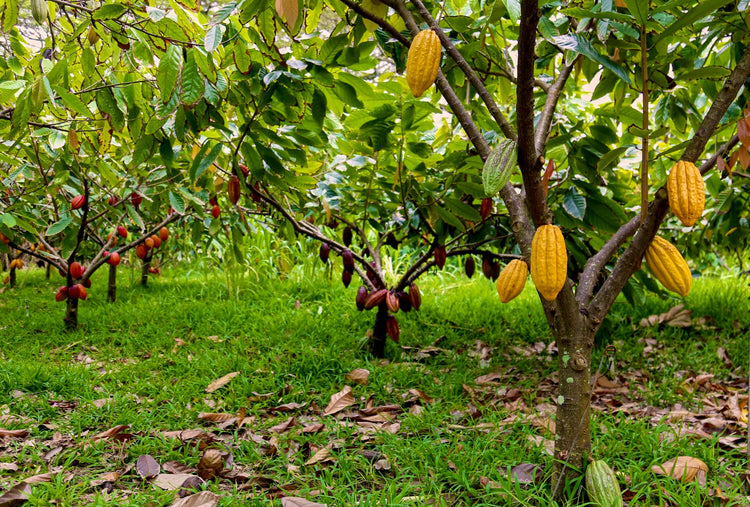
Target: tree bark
112 287
71 314
376 344
12 277
145 268
47 271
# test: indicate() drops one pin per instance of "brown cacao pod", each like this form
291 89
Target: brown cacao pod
687 192
470 266
415 296
668 266
404 301
423 62
361 297
233 189
602 485
346 236
440 256
86 283
78 202
346 278
391 326
549 261
392 302
324 252
487 267
512 280
348 258
375 298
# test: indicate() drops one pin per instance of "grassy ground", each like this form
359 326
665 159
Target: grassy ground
147 360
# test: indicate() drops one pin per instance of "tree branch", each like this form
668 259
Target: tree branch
544 126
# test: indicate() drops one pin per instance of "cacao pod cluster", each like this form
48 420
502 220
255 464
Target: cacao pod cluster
76 291
15 264
151 242
423 62
549 261
687 192
669 267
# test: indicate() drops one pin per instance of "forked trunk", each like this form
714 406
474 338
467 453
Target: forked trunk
112 287
573 435
145 268
12 277
71 314
376 344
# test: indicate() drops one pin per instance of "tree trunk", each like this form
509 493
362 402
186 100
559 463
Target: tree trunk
4 262
47 271
71 314
145 268
573 435
112 287
12 277
376 344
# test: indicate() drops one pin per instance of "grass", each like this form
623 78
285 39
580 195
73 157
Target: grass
152 354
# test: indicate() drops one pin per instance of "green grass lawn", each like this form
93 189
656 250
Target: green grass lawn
147 360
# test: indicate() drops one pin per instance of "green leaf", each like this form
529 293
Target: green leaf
319 106
574 203
514 9
169 70
60 226
714 72
449 218
576 42
192 80
10 15
463 210
213 38
72 101
701 10
639 10
177 202
201 163
8 220
109 11
106 102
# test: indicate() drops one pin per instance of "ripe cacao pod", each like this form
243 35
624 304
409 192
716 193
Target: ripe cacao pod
82 294
346 236
4 239
348 259
485 209
346 278
156 241
470 266
324 252
361 297
112 200
512 279
163 234
602 485
149 242
668 266
499 166
12 264
687 192
61 294
549 261
440 255
375 298
39 10
78 201
404 301
487 267
114 259
244 169
423 62
76 270
415 296
122 231
86 283
136 199
391 326
392 302
494 270
140 251
233 189
74 291
216 211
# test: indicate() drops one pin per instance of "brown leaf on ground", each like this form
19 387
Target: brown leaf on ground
13 433
322 456
216 417
202 499
171 482
16 495
421 395
147 467
340 401
295 501
190 436
358 376
284 426
9 467
112 432
490 378
288 407
211 464
677 316
221 382
175 467
313 428
683 468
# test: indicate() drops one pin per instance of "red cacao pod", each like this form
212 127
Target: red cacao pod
485 209
140 251
136 199
346 236
487 267
391 326
346 278
112 200
86 283
76 270
61 294
375 299
361 297
233 189
156 240
78 202
149 242
440 256
415 296
122 231
392 302
163 234
215 211
470 266
324 252
74 291
114 259
348 259
82 294
404 301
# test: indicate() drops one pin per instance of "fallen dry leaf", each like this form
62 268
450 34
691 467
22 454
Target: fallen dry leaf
295 501
13 433
147 467
16 495
202 499
358 376
211 464
340 401
171 482
221 382
215 417
112 432
9 467
683 468
322 456
677 316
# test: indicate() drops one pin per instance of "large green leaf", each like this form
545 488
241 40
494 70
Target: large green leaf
169 70
576 42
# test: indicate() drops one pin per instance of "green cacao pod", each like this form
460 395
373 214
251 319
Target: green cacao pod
499 166
39 10
669 267
687 192
602 485
423 62
512 280
549 261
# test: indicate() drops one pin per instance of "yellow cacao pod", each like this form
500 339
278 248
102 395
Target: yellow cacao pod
668 266
687 192
512 279
549 261
423 62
